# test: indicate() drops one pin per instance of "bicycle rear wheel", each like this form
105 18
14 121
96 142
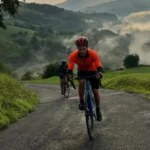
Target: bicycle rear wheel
66 90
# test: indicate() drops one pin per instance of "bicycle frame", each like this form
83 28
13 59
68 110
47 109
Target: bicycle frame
89 102
89 107
64 78
66 86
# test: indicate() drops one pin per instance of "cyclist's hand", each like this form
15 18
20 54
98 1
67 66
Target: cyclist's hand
99 75
60 74
70 77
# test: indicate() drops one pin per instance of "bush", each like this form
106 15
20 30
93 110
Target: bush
5 69
50 70
11 114
28 75
4 121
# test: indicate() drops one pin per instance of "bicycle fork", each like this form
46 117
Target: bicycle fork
89 105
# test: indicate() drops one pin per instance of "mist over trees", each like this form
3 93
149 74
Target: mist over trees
36 36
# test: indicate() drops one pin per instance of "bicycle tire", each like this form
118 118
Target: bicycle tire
66 90
90 126
89 120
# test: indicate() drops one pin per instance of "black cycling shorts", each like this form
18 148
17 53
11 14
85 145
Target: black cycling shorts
95 83
61 77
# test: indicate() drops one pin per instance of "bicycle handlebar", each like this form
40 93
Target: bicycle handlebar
85 77
88 78
72 83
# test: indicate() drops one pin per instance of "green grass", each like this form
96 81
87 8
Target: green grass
52 80
133 70
15 101
132 80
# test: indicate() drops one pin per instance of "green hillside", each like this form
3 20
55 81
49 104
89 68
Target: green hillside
58 18
40 29
8 34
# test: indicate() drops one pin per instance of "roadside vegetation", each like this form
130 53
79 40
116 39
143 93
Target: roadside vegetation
132 80
15 100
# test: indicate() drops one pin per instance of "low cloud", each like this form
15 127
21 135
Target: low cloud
138 17
117 39
89 20
114 41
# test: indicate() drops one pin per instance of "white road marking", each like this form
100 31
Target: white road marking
108 94
75 97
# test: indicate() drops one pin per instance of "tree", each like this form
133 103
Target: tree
131 61
14 35
35 43
26 55
42 34
41 28
50 31
25 33
42 42
32 27
10 6
21 41
20 33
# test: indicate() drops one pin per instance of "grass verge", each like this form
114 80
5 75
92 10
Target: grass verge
136 82
15 101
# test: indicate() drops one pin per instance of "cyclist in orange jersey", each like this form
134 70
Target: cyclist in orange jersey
89 64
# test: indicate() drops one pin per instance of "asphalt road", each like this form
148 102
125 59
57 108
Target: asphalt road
57 124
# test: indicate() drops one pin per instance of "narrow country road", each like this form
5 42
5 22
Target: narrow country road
57 124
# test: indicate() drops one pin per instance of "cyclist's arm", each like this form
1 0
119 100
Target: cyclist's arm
98 63
60 71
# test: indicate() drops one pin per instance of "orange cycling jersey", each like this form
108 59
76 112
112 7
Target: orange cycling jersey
91 63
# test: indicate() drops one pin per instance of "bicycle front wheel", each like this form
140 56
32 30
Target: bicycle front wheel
89 115
66 90
90 126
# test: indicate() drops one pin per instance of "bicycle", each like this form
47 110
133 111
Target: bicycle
66 86
90 109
